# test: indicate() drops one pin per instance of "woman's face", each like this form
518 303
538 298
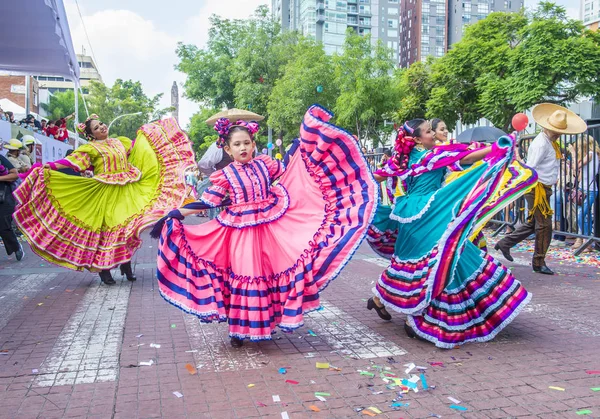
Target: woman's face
99 130
426 138
441 132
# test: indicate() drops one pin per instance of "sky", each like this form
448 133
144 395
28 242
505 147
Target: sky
136 39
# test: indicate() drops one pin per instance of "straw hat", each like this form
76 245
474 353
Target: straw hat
235 115
13 144
558 119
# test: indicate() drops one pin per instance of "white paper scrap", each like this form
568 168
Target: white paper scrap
453 400
410 366
284 415
146 363
276 398
321 398
155 345
178 394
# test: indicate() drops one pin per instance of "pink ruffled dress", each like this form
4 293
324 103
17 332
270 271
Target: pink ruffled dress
265 259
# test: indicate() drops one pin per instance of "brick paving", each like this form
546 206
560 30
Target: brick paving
72 347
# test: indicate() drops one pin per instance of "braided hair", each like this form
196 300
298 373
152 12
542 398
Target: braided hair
405 141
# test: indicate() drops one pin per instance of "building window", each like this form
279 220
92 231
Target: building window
483 8
392 24
467 7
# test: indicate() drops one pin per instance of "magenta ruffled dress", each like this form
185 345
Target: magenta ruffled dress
265 259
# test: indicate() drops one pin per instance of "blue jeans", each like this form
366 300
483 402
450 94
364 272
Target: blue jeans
585 215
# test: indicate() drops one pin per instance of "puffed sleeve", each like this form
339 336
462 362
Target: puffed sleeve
217 192
274 167
80 159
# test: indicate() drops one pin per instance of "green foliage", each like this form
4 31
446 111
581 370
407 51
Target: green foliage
201 135
367 94
108 103
308 68
509 62
414 87
62 104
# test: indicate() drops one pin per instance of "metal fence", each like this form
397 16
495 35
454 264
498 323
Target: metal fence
575 199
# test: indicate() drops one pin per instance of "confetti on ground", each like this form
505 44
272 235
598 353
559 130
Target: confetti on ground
193 351
139 336
367 373
584 412
282 371
323 365
453 400
35 371
318 393
592 372
310 332
314 408
155 345
173 326
147 363
291 382
368 413
424 382
556 388
456 407
276 398
40 304
261 404
321 398
374 410
436 364
190 368
178 394
595 388
250 385
284 415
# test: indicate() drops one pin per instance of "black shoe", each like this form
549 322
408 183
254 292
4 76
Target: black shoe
505 252
107 278
237 342
411 333
126 270
381 311
543 270
20 254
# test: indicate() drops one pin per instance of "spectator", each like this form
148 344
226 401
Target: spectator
14 147
10 117
43 126
2 115
27 152
588 166
8 175
36 123
58 129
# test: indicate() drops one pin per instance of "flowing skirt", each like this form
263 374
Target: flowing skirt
82 223
261 276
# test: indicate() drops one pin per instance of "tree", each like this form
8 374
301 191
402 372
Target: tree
62 104
509 62
307 78
108 103
367 95
414 89
201 134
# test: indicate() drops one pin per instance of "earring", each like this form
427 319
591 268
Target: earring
420 147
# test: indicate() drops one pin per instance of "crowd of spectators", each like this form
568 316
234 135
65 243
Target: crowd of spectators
55 129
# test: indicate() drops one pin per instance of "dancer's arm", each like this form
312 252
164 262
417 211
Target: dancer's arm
475 156
10 177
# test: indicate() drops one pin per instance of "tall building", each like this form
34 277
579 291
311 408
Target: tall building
88 72
326 21
430 27
175 101
590 13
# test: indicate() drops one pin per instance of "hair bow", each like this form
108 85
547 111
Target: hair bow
404 145
224 125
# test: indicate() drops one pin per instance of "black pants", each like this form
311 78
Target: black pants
535 223
11 244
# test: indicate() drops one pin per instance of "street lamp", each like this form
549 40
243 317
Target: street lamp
122 116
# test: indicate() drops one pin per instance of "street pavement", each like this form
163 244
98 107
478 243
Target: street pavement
73 347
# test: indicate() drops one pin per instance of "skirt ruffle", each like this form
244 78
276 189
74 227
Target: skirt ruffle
82 223
270 274
451 291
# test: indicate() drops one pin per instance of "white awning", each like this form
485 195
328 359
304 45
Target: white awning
35 39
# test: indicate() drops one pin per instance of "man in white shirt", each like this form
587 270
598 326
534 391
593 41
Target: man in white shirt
544 157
